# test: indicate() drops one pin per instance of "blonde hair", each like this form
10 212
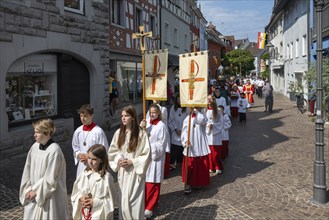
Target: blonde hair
45 126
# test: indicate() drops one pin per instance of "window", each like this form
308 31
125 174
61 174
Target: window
31 88
152 26
130 77
117 12
304 46
288 52
175 38
76 6
186 43
138 19
297 48
167 34
291 50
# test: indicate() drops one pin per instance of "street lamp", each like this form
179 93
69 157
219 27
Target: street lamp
319 178
269 46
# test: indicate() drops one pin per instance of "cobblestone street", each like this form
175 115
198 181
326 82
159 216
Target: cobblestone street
268 174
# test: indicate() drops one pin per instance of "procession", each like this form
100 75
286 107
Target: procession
164 109
193 133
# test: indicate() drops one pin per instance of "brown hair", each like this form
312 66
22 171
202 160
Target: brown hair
99 151
45 126
130 110
214 107
86 109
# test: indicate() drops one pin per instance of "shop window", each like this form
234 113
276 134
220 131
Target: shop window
31 89
129 75
76 6
29 97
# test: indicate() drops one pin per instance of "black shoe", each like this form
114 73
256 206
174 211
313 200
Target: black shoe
265 111
188 189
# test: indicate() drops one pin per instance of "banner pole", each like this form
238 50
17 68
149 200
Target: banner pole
144 88
188 147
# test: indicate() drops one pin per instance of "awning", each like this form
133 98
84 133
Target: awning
173 60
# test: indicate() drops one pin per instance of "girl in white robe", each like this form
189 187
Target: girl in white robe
198 166
214 130
159 139
130 155
86 136
176 118
227 124
43 187
164 119
93 191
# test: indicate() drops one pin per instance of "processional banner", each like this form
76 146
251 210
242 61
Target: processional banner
156 63
193 79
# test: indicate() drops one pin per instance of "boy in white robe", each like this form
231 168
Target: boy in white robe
198 166
85 136
242 108
43 186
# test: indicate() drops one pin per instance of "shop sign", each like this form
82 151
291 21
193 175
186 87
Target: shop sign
34 68
36 64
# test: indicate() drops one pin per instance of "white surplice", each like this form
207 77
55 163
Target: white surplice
159 139
95 136
226 127
102 190
131 180
164 119
45 174
198 137
214 136
176 119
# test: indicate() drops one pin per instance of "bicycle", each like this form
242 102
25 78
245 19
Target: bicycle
302 103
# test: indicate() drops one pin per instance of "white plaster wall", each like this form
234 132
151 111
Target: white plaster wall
300 64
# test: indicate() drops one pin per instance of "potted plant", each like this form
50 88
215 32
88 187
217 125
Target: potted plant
294 88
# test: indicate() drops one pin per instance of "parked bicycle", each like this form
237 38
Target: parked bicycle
302 103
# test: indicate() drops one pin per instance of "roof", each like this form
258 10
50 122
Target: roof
214 36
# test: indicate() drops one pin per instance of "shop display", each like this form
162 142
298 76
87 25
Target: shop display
29 96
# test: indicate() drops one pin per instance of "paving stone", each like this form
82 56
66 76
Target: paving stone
268 174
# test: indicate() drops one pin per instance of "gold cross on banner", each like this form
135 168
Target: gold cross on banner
194 42
192 78
142 36
155 74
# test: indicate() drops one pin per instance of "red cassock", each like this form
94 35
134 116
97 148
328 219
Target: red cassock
214 158
198 171
167 165
249 90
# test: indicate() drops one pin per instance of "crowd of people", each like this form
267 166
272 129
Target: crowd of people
140 153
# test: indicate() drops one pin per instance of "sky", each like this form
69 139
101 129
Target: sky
241 18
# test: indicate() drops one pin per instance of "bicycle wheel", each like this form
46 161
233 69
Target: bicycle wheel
302 105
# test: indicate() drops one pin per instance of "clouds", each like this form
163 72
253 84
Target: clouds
241 18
